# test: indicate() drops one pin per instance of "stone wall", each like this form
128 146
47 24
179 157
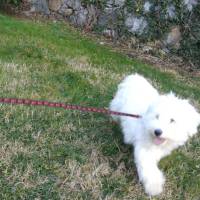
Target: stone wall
167 23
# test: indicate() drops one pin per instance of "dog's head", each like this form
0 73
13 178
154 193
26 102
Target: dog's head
171 119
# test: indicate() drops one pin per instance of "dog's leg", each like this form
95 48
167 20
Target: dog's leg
149 174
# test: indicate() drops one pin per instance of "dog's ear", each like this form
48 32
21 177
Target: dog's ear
198 124
192 118
171 93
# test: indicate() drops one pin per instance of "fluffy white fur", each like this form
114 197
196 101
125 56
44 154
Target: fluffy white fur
172 118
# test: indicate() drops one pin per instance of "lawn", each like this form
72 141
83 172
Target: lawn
49 153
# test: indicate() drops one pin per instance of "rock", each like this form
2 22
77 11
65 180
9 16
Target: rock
92 16
163 51
109 4
82 17
158 9
74 4
65 10
171 11
147 49
133 42
135 24
108 19
119 3
173 37
40 6
27 13
147 7
55 4
115 3
190 4
101 43
109 33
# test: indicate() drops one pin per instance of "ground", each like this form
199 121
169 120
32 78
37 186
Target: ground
48 153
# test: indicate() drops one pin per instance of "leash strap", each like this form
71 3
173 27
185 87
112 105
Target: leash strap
30 102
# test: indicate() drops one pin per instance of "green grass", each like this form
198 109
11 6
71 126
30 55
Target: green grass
55 154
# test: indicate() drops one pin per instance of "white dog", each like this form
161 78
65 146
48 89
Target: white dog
167 122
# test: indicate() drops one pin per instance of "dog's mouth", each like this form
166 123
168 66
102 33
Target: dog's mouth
159 140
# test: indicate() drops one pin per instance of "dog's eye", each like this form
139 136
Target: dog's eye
157 116
172 120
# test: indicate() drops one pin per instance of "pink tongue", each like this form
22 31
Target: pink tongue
158 140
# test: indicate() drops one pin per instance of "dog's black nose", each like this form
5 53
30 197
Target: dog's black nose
158 132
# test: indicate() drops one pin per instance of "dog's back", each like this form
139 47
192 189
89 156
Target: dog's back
134 95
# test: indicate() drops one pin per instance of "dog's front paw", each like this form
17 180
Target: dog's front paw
155 186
